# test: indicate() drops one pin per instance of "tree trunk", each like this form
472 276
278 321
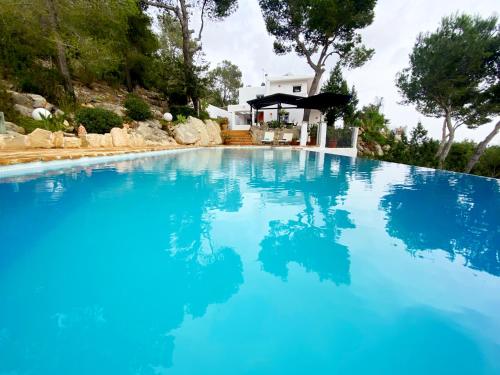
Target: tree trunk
187 54
447 145
481 147
312 90
444 136
62 62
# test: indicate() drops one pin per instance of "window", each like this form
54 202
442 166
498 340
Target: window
297 88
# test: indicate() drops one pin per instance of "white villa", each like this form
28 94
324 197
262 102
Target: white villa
240 115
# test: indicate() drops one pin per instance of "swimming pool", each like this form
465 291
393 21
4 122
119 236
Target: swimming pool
226 261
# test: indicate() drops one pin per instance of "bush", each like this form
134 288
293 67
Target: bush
182 110
137 109
98 120
53 123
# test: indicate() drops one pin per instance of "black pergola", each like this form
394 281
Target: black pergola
321 102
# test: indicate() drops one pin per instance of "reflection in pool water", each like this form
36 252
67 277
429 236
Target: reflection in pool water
249 261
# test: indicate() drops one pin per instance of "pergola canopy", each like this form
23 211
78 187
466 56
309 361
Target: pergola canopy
321 102
269 100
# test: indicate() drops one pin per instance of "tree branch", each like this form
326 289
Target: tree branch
202 19
161 5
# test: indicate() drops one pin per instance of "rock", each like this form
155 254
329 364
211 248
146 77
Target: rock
82 132
94 140
120 137
201 128
186 135
10 126
14 141
107 140
151 131
378 150
136 140
214 133
156 113
386 147
118 109
38 101
25 111
59 113
40 114
59 139
41 138
87 105
72 142
21 99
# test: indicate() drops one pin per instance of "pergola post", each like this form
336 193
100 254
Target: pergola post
253 115
354 137
303 133
322 133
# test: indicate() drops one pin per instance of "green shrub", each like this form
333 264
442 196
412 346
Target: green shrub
98 120
137 109
180 119
53 123
182 110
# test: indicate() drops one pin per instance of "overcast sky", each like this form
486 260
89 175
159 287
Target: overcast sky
242 39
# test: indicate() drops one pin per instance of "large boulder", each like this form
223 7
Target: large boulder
72 142
94 140
38 100
106 140
186 134
214 133
21 99
13 140
151 132
201 128
120 137
23 110
136 140
41 138
378 150
59 139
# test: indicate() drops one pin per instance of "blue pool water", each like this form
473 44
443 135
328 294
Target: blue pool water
249 262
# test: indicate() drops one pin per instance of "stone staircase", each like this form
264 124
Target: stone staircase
237 137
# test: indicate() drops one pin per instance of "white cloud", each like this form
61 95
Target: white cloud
242 38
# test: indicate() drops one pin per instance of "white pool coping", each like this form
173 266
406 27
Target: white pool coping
22 169
44 166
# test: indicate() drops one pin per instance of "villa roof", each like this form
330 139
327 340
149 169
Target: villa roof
323 101
278 98
320 102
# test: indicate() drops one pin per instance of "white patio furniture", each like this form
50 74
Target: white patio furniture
268 137
286 138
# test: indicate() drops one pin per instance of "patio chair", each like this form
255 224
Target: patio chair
268 137
286 139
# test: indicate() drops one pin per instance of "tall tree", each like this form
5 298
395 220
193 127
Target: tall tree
338 85
62 62
449 72
317 29
183 11
224 81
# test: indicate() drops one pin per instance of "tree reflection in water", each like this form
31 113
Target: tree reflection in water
452 212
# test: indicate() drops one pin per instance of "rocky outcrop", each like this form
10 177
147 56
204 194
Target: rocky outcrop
151 132
116 108
25 103
13 140
214 133
196 132
72 142
41 138
119 137
58 139
186 134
